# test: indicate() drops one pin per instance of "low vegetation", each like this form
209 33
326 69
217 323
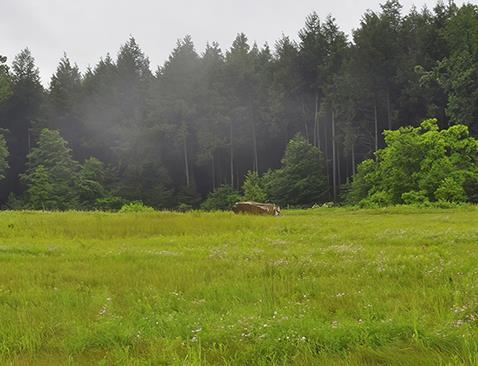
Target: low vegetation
393 286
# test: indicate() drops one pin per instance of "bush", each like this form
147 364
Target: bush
14 202
378 199
415 198
184 207
137 206
222 198
112 203
253 188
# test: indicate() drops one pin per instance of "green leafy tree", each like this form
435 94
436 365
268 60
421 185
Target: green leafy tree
302 180
421 164
50 162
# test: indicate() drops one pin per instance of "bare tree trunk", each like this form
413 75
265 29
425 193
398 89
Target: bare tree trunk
326 156
186 160
255 163
375 124
339 174
353 159
306 127
213 172
29 139
334 166
347 169
316 122
231 155
389 112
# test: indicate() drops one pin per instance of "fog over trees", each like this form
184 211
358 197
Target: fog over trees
171 135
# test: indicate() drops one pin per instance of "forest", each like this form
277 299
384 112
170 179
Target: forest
291 122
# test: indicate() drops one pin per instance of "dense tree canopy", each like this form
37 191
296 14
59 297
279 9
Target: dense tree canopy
168 137
421 164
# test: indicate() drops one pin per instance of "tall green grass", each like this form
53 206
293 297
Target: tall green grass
321 287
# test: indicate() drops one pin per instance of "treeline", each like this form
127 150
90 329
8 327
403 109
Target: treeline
170 136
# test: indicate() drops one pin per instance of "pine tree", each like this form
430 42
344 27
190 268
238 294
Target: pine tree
24 115
65 99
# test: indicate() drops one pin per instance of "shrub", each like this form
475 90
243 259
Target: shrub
253 188
222 198
112 203
378 199
136 206
415 198
184 207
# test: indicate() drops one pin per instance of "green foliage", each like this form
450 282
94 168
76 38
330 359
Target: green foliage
421 164
458 72
204 119
184 207
110 203
51 178
450 190
222 198
54 181
135 207
377 199
3 157
253 188
362 182
302 179
40 189
415 198
188 196
91 180
5 87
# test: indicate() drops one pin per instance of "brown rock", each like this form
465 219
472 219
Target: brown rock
256 208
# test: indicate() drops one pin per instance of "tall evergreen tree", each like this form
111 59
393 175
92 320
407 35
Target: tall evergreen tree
23 115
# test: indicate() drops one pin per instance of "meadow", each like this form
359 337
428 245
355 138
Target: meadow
324 286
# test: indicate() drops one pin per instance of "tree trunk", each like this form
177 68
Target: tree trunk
231 155
255 163
353 159
339 173
375 125
316 122
389 112
326 156
334 167
186 160
306 127
213 173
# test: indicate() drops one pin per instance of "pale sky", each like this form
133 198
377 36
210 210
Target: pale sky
87 29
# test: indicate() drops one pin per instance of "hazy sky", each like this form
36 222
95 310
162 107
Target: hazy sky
88 29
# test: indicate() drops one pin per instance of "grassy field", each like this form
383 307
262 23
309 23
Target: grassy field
321 287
